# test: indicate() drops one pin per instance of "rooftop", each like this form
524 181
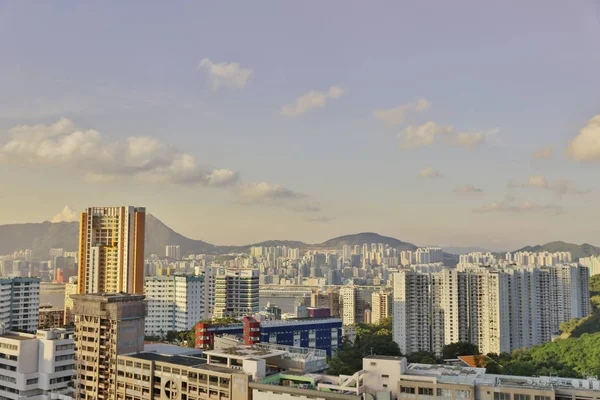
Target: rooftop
185 361
375 357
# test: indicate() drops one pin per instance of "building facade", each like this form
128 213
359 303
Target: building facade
352 305
381 305
51 317
498 309
71 288
20 304
111 250
106 325
316 333
175 303
236 293
35 365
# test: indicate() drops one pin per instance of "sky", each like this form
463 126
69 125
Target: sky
460 123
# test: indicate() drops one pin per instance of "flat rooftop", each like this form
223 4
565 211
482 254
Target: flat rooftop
391 358
242 352
184 361
17 336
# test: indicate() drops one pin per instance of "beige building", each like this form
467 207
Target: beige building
381 305
111 250
50 317
106 325
71 287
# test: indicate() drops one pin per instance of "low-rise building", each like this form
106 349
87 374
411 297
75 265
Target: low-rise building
316 333
50 317
35 365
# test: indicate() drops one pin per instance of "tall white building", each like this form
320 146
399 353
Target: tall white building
352 304
236 293
593 264
498 309
20 303
173 251
35 365
174 303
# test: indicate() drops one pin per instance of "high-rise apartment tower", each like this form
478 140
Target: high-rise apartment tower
111 250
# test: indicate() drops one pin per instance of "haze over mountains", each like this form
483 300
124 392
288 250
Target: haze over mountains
41 237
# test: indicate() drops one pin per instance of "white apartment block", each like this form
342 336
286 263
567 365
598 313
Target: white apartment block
545 258
174 303
352 304
20 303
236 293
173 251
593 264
33 366
477 258
498 309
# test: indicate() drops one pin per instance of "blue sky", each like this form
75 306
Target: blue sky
513 78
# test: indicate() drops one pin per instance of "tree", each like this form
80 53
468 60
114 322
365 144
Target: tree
453 350
423 357
370 339
171 336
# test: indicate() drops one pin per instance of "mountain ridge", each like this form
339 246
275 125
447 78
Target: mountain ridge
41 237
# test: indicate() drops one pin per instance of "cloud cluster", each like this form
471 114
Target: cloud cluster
559 186
467 189
545 153
586 145
224 74
397 115
429 133
66 215
310 101
64 145
429 173
509 205
275 195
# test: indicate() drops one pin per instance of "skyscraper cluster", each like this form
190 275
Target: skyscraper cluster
499 309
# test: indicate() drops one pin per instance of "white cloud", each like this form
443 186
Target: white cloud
422 135
544 153
311 100
510 205
275 195
429 173
427 134
586 145
467 189
66 215
468 140
225 74
66 146
397 115
559 186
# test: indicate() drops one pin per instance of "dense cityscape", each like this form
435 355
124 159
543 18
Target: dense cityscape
237 325
296 200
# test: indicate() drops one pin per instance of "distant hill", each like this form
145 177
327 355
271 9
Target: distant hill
365 238
158 235
40 237
457 250
577 251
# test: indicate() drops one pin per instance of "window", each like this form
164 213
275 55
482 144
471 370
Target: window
522 397
542 397
373 364
32 381
407 389
444 393
385 376
426 391
501 396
